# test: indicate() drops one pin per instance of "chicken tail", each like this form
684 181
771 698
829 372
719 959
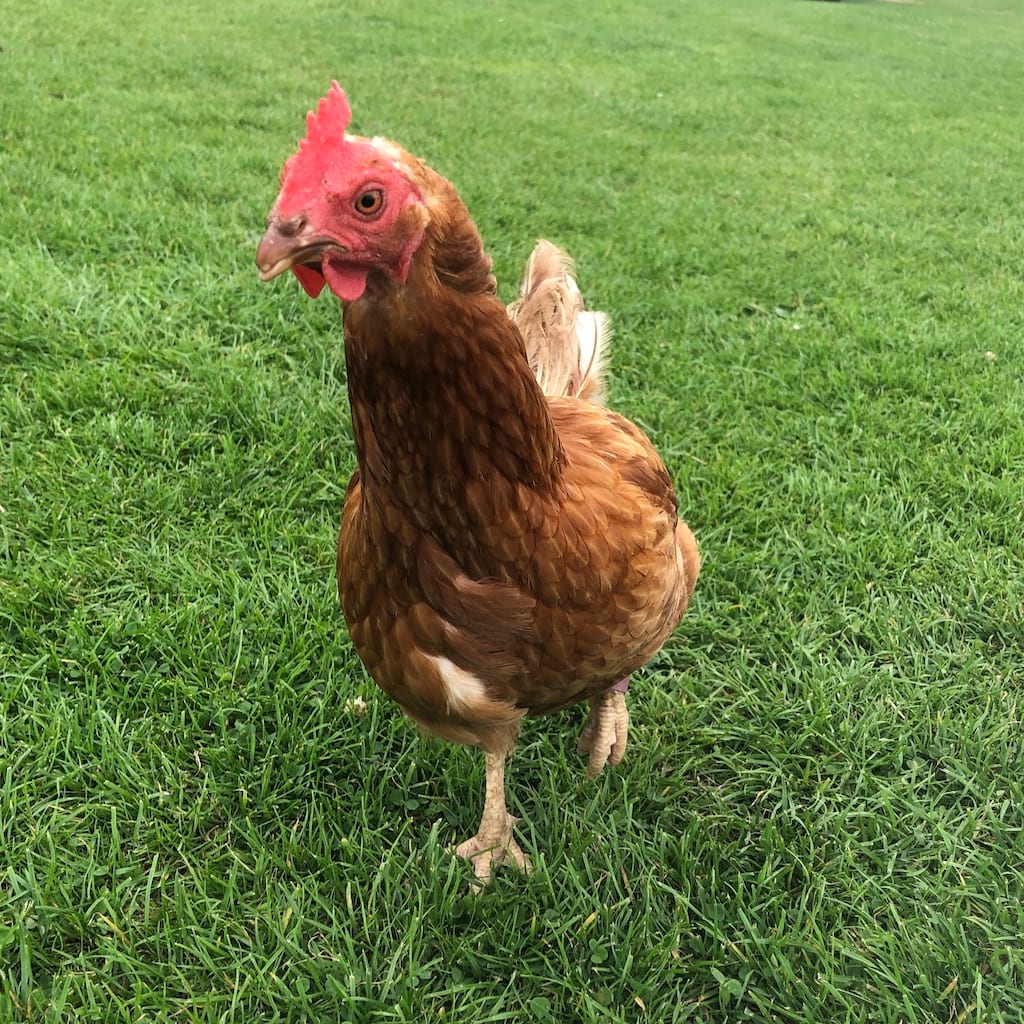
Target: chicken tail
566 344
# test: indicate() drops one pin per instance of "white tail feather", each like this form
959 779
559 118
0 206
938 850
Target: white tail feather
593 333
565 344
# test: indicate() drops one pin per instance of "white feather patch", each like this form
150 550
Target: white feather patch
387 147
462 689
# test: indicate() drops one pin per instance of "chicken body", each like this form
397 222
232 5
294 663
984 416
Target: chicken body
503 552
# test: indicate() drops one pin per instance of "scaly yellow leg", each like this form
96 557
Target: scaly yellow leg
493 843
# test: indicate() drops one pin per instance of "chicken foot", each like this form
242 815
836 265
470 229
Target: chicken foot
493 843
606 730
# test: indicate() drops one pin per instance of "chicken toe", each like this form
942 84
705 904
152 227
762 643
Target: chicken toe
486 850
606 731
493 843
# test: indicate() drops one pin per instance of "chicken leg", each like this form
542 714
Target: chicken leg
493 843
606 730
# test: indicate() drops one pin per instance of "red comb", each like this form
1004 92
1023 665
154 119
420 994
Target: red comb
322 150
331 117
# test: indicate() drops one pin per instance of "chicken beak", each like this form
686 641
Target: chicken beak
277 251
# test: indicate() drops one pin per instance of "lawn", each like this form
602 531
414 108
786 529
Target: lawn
805 222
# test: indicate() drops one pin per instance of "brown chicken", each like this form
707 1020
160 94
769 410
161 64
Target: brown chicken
508 547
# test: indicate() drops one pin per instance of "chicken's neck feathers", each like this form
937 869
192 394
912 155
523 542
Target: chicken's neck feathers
442 396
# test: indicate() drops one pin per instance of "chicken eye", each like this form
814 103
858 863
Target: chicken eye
369 202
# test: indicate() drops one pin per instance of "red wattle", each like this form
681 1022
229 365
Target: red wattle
311 280
346 280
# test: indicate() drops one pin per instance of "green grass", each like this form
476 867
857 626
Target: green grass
805 221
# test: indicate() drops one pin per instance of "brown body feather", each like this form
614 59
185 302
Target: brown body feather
529 540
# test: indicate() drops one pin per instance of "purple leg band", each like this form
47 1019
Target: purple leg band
621 686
